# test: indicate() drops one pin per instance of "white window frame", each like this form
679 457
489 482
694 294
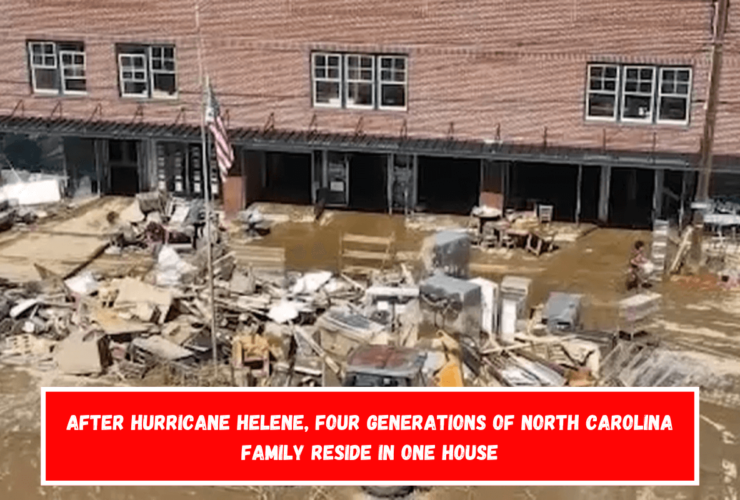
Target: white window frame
664 121
121 80
63 79
347 80
156 94
616 93
650 118
381 82
34 66
315 79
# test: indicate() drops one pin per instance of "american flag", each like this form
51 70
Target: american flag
224 151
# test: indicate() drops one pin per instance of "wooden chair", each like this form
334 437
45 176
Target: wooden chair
544 213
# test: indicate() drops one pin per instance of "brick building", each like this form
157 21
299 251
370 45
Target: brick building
594 107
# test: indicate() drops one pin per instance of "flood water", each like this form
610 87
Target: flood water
698 314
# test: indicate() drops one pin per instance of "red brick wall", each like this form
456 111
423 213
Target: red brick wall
477 63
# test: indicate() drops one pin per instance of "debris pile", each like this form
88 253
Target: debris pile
437 326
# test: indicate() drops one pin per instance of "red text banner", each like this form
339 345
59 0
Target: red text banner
369 436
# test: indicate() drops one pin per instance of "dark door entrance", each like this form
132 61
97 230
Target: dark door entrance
631 198
123 162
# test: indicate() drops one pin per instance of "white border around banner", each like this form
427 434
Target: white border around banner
694 390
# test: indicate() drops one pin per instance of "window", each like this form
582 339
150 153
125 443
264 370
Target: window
673 97
359 81
638 94
47 58
393 82
163 71
327 80
603 81
147 71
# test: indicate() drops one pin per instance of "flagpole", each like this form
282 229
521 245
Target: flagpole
206 182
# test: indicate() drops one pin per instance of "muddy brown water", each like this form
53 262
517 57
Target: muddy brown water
698 313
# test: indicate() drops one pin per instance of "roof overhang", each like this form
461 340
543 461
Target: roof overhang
305 141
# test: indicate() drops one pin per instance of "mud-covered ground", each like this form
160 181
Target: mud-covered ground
698 316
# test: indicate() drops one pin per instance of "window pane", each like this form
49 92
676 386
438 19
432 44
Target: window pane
49 48
400 76
156 64
156 51
646 87
393 95
611 72
669 75
139 75
36 48
367 62
360 94
683 75
333 73
327 92
137 88
169 65
126 61
400 63
385 75
353 74
596 72
666 88
165 82
169 52
673 108
610 85
76 85
138 62
601 105
67 58
632 73
320 60
46 79
320 73
630 86
334 61
636 107
682 88
352 61
646 73
50 61
38 60
366 75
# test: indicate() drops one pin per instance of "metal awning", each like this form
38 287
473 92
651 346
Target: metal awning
296 140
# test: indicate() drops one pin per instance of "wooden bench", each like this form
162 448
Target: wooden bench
373 252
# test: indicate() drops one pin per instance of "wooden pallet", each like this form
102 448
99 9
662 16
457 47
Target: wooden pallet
361 254
659 248
259 258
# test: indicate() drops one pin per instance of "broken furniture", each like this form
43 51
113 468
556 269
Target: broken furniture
636 313
562 312
544 213
385 366
451 304
539 242
448 252
252 352
342 330
514 295
390 301
363 248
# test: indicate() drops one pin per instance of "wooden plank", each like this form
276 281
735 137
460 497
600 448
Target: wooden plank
366 240
364 255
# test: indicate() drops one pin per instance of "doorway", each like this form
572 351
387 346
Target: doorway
123 163
631 198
